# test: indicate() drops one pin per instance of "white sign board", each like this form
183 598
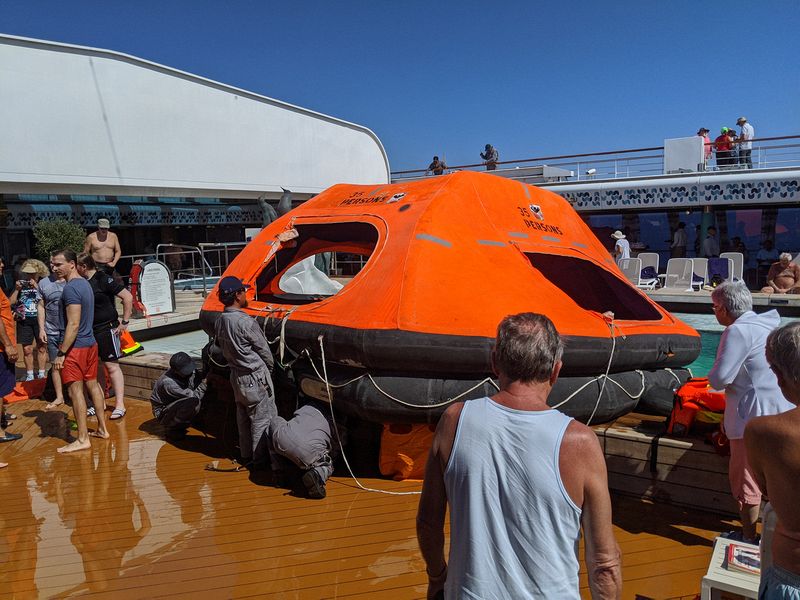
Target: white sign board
156 288
250 233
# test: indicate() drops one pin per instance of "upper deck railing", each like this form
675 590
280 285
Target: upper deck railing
768 153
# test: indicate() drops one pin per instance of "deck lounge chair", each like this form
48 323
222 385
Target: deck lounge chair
700 277
738 263
649 259
680 272
719 270
632 269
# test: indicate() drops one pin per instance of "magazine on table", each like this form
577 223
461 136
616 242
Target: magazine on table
746 559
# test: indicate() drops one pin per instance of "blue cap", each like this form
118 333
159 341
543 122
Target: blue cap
230 285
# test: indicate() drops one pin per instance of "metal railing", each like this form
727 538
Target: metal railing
637 162
192 267
218 255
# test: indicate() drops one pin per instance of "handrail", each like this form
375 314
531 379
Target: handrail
585 155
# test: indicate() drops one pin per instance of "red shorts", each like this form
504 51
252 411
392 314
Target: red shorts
80 364
743 484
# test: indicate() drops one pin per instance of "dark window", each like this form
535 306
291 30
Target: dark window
593 288
338 251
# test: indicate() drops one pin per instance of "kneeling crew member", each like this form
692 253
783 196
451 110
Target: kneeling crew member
250 360
177 396
305 440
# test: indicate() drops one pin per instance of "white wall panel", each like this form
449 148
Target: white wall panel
83 116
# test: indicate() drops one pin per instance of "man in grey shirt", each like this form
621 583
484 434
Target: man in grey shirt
177 396
51 327
245 348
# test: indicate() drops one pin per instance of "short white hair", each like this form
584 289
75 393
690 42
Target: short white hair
785 255
734 297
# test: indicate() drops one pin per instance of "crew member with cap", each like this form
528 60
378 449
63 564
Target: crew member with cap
745 143
178 396
305 440
103 246
622 248
250 360
707 146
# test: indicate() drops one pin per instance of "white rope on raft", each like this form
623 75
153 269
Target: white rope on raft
339 439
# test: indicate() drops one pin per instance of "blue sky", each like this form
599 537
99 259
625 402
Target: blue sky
532 78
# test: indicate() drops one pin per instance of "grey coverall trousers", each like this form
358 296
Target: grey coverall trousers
255 407
305 440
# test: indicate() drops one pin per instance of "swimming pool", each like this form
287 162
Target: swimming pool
710 332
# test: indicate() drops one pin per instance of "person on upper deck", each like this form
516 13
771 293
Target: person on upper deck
751 389
521 480
783 277
734 157
490 156
723 147
745 143
773 451
708 147
437 166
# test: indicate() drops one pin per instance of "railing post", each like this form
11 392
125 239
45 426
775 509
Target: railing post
203 270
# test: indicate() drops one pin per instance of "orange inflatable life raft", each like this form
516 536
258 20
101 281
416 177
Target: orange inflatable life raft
402 287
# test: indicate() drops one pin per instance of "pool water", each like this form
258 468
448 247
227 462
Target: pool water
710 332
708 353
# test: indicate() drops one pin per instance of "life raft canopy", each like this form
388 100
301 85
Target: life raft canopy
407 283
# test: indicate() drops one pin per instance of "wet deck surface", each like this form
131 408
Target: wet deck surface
138 517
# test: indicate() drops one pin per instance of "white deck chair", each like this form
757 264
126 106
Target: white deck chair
738 263
701 270
679 274
632 269
649 259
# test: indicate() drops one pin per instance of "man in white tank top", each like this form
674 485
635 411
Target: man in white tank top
521 481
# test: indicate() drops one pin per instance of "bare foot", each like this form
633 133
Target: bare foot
54 404
104 435
3 465
75 446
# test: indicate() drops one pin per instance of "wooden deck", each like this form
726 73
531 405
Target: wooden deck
141 518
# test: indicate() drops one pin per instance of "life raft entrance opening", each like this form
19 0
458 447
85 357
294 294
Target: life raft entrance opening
593 288
301 271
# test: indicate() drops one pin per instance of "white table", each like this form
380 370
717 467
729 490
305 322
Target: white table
719 579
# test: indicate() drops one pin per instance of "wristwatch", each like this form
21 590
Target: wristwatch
61 353
124 322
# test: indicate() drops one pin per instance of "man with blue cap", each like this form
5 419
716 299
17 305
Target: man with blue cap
245 348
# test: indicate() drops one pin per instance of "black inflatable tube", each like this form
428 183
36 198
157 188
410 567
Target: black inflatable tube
452 355
362 398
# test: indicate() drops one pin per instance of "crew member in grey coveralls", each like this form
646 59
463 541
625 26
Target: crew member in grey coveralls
250 360
305 440
177 396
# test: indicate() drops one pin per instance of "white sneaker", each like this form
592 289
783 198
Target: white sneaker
41 375
28 377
